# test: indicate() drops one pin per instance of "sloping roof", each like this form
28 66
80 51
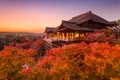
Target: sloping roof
88 16
71 26
49 29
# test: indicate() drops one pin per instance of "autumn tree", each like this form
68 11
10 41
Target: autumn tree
96 61
99 37
38 46
12 61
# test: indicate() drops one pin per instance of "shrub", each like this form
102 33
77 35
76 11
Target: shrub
98 37
96 61
12 60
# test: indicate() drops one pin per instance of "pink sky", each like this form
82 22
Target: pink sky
27 20
35 16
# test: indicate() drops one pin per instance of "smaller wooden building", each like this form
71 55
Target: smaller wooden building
50 32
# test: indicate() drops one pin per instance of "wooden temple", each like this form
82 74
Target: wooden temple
78 27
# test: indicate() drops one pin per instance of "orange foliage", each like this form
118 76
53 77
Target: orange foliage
24 45
98 37
11 61
95 61
37 43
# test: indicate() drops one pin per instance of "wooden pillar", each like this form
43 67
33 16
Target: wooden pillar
64 35
73 35
79 35
68 36
59 35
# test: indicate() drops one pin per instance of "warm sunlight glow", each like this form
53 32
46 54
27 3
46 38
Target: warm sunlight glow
35 15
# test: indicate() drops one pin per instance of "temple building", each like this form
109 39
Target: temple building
78 27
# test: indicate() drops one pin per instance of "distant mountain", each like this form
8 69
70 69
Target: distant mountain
21 33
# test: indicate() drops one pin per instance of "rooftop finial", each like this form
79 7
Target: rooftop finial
90 11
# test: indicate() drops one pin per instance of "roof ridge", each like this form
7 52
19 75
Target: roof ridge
99 17
63 21
88 12
50 27
88 16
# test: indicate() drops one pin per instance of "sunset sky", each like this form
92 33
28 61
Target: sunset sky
35 15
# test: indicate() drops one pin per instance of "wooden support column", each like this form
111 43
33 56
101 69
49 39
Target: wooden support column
59 34
68 36
79 35
71 36
74 36
64 35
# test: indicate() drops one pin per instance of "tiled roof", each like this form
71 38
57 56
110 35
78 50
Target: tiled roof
49 29
89 16
71 26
